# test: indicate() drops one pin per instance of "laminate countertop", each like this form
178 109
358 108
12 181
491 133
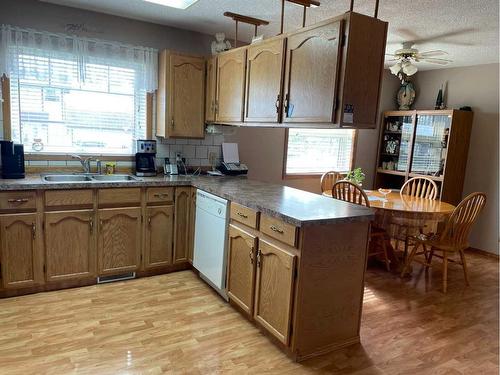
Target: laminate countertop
294 206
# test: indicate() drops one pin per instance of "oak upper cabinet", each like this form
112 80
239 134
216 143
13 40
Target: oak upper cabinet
274 289
181 234
181 96
263 81
159 234
119 244
192 220
69 245
230 85
21 257
211 85
241 268
312 59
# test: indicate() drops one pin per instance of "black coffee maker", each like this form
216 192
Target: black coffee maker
12 160
145 158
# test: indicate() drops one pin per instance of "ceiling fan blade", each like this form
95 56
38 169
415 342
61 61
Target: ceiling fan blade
433 53
436 61
390 60
390 54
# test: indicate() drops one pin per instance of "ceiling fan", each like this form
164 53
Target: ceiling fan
407 56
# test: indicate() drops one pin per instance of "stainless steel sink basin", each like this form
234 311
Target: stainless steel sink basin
115 177
65 178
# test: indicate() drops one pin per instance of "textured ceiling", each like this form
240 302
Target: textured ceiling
466 29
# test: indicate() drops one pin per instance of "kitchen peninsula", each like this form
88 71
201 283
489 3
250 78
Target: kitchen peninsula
296 259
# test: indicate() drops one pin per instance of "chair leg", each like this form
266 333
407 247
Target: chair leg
445 271
429 259
464 265
386 257
409 259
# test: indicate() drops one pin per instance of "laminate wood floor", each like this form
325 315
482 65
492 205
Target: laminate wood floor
175 324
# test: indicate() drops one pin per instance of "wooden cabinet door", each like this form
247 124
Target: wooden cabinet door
230 85
181 227
274 289
211 85
241 268
187 96
159 236
192 220
69 245
263 82
20 255
311 74
119 244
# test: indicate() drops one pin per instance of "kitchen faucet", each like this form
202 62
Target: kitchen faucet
84 161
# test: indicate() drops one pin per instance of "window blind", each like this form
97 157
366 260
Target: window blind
319 150
56 110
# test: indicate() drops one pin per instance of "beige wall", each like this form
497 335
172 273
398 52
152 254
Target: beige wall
477 87
263 149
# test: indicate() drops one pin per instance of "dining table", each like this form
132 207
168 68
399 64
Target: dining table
395 210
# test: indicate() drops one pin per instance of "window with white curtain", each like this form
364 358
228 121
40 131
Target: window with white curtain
72 95
314 151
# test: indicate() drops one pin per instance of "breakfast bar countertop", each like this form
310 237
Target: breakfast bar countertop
294 206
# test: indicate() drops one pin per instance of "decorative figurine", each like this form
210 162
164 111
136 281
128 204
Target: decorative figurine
439 99
219 44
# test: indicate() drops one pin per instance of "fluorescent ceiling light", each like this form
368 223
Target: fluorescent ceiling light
179 4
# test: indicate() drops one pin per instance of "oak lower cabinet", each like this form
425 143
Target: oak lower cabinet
242 266
159 233
274 289
21 256
119 242
181 235
70 245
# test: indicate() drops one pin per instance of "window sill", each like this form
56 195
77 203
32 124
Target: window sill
293 176
63 157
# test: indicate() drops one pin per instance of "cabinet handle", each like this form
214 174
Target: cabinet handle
18 200
161 195
242 215
149 220
276 229
216 106
250 253
101 222
277 104
286 104
91 225
33 230
172 122
258 258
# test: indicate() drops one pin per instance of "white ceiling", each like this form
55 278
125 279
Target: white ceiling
466 29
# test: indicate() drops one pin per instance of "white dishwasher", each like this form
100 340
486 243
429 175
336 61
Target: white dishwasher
210 239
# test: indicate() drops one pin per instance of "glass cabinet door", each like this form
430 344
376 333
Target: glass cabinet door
430 144
397 134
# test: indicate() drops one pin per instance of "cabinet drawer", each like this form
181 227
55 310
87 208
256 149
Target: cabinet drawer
244 215
279 230
18 200
61 198
160 195
119 196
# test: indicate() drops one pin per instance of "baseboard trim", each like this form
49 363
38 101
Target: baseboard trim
483 253
328 349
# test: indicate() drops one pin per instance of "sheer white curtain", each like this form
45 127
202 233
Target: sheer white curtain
14 41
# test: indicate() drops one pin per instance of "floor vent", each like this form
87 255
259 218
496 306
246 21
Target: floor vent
113 278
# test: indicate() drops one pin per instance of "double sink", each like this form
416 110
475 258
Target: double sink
89 177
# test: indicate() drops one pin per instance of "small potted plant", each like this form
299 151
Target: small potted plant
356 176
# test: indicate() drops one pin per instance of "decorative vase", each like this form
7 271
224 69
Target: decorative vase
406 95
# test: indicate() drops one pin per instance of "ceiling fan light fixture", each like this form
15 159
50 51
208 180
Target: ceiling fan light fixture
179 4
409 69
395 68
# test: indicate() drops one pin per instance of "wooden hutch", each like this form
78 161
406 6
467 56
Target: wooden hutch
430 143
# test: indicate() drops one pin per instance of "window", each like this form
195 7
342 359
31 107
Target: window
53 110
314 151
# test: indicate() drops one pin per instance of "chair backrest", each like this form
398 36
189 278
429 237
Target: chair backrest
349 192
328 179
421 187
459 225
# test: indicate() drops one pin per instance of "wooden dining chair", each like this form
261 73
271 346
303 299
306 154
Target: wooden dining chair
328 179
422 187
352 193
453 239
